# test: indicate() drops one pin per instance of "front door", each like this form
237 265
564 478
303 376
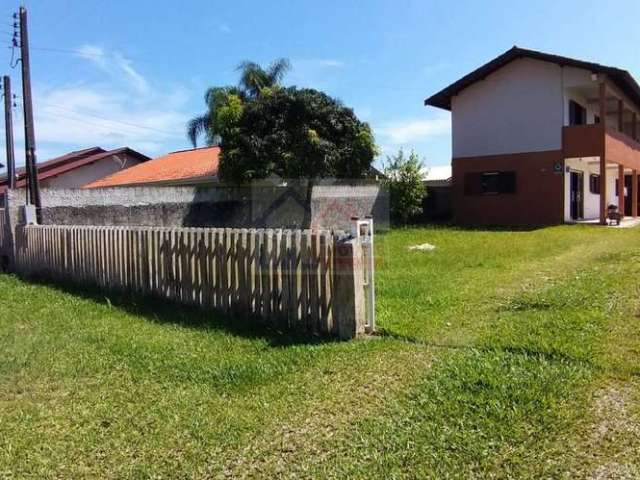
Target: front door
627 196
576 187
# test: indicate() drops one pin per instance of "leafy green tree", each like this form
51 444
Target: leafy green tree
296 134
254 80
404 182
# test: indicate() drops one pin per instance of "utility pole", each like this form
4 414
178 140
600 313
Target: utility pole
8 129
29 135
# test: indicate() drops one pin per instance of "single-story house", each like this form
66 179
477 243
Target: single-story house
197 166
78 168
542 139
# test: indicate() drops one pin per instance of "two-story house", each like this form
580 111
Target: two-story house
542 139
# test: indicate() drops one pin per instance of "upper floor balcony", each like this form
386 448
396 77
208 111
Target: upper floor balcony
613 134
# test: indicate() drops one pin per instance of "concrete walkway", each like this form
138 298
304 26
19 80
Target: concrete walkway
627 222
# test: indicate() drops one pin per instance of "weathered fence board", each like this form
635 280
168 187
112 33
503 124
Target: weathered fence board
284 277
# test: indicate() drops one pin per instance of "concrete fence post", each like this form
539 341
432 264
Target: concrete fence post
349 304
14 215
5 245
11 219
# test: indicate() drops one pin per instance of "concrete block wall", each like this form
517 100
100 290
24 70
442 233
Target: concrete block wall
330 207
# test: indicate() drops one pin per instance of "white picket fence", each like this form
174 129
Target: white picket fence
287 277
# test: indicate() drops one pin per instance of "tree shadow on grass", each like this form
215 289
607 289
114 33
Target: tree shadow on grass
162 311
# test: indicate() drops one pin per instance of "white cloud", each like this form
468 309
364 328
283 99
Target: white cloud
402 132
91 116
144 116
94 54
316 64
115 64
224 28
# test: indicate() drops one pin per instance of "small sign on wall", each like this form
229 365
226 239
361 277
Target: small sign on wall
557 167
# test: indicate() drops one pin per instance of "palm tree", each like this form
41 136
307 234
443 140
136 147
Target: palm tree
253 79
203 124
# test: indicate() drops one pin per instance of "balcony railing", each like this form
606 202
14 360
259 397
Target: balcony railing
593 140
583 140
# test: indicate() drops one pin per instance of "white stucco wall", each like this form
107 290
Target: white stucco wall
518 108
81 176
591 201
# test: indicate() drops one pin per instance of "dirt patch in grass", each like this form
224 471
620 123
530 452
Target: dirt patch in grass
611 441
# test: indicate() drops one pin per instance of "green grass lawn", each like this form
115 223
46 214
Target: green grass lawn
503 355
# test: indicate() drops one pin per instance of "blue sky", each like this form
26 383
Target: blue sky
115 73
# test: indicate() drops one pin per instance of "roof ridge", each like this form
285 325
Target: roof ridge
442 99
173 166
72 160
194 149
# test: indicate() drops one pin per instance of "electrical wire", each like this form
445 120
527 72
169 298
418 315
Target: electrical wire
81 53
128 124
83 121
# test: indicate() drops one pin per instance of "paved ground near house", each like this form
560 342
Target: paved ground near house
626 222
503 355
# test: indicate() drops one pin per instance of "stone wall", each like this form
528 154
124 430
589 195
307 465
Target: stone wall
330 206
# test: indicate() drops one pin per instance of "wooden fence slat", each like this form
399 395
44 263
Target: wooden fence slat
304 289
257 272
112 259
314 281
285 277
285 269
191 267
209 268
233 272
214 237
226 266
154 266
274 262
196 266
253 272
325 285
241 254
296 283
265 276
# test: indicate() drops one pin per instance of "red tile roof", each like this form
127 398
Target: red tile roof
171 168
70 161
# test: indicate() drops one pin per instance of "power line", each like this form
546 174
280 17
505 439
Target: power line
53 115
128 124
81 53
115 129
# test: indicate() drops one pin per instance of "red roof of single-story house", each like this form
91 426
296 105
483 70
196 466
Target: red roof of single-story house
184 166
70 161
